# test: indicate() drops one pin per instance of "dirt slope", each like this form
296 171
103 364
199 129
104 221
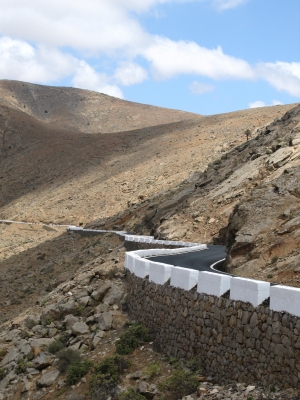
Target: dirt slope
83 110
52 173
255 187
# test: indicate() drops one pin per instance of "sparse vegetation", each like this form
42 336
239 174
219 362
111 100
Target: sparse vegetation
179 384
153 369
21 366
106 376
67 357
274 260
247 133
56 346
194 364
130 394
77 370
3 373
272 389
131 338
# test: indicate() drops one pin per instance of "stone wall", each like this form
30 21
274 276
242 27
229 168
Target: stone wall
234 340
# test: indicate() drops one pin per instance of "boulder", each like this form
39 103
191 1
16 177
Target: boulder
70 320
97 338
101 308
11 356
105 321
47 379
99 293
68 308
148 391
40 343
80 328
42 361
83 301
114 295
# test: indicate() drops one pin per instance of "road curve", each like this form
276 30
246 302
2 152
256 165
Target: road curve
198 260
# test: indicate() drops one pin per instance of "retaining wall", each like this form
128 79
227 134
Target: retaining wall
217 317
233 339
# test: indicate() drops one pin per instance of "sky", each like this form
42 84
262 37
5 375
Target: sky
202 56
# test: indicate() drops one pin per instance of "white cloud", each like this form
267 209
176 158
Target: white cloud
130 73
257 103
19 60
226 4
260 103
285 77
103 28
276 103
199 88
169 58
92 26
87 78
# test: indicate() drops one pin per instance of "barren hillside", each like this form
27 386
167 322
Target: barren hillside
77 157
134 179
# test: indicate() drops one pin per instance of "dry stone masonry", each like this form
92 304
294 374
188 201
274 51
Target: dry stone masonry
218 318
234 340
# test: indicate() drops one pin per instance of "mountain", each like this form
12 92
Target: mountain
176 175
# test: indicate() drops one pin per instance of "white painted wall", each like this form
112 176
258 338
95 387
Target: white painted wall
285 298
184 278
249 290
213 284
159 273
141 268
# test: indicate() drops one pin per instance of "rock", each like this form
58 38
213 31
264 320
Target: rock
99 293
48 378
114 295
52 332
280 157
101 308
27 386
68 308
290 226
83 301
42 361
40 343
105 321
97 338
149 391
249 389
80 328
70 320
134 375
50 313
27 350
11 356
32 320
296 141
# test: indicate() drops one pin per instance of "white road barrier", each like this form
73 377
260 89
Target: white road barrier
160 273
285 298
184 278
282 298
249 290
213 284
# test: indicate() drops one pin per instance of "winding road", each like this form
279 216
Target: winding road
199 260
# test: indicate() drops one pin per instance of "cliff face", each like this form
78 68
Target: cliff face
248 200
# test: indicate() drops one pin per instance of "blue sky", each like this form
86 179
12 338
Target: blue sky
204 56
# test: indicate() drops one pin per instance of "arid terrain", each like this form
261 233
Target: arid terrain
74 157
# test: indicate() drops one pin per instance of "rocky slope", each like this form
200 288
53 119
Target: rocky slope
248 199
85 315
76 157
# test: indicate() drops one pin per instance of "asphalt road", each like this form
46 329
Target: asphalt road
199 260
